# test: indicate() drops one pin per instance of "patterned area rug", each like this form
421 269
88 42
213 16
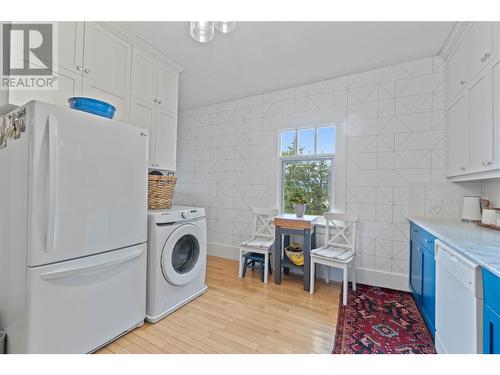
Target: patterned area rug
381 321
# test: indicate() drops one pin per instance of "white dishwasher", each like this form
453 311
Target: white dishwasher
459 303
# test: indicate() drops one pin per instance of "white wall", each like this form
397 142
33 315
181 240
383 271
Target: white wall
491 191
396 158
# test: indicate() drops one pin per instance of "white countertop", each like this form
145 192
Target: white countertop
481 245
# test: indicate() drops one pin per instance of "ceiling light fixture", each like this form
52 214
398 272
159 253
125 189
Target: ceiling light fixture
225 27
204 31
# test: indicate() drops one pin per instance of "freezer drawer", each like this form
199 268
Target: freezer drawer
77 306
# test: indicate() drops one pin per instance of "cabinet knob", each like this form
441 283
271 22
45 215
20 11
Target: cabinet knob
486 163
462 83
155 100
86 70
79 68
159 101
462 168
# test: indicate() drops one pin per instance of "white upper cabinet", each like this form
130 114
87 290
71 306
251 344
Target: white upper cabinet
474 113
107 59
166 140
102 61
143 75
143 114
457 135
154 106
70 48
167 88
154 81
456 70
480 44
495 73
106 68
480 122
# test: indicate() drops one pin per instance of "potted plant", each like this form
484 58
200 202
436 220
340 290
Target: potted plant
299 203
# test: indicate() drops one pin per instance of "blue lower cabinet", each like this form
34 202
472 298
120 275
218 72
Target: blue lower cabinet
491 331
416 260
428 304
491 313
423 273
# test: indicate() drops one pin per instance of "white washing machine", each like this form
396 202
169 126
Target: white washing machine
177 259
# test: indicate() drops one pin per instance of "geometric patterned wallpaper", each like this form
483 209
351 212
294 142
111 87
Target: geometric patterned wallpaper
396 156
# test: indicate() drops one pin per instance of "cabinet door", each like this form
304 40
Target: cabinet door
495 77
71 46
456 70
429 289
458 137
166 140
92 90
69 85
167 88
107 60
143 114
491 331
143 76
480 44
480 122
416 270
496 38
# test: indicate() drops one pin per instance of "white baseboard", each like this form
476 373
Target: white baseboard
383 279
222 250
365 276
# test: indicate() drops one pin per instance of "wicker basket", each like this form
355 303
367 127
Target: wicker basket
160 192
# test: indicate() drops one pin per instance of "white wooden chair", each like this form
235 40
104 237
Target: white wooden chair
339 249
262 240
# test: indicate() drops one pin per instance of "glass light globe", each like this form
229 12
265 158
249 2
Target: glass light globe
202 31
225 27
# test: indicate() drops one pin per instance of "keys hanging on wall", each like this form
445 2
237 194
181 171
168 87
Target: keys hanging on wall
12 125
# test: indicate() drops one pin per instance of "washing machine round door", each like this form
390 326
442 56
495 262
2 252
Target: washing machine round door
182 255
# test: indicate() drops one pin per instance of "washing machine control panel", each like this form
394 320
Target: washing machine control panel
176 214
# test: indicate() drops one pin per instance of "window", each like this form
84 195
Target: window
307 160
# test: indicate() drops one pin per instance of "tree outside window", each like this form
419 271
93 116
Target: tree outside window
307 162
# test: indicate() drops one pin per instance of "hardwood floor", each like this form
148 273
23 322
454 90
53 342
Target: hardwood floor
242 316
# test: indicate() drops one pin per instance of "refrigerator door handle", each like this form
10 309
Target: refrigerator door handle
53 172
74 271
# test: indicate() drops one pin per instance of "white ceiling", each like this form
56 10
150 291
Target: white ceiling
263 56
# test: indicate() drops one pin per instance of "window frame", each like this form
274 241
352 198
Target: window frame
283 159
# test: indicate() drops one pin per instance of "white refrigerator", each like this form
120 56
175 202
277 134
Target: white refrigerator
73 230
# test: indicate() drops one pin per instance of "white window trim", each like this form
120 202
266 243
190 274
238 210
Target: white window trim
330 156
335 115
